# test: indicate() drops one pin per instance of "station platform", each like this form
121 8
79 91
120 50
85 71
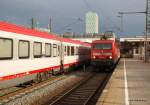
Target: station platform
129 84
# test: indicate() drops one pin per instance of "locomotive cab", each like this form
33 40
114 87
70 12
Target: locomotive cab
102 53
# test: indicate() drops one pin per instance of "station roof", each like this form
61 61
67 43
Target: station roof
134 39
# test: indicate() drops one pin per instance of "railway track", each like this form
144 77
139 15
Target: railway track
31 95
17 92
84 92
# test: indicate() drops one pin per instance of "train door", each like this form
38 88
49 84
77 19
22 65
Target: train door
61 57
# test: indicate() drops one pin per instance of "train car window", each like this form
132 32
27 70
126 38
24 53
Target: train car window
47 49
72 50
58 51
23 49
86 50
81 51
54 50
37 49
77 50
68 50
65 51
6 48
136 50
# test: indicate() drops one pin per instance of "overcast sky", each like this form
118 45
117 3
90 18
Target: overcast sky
67 13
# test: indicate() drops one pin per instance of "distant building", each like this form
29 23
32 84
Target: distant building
91 23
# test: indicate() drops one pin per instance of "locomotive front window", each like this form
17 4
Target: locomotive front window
104 46
6 48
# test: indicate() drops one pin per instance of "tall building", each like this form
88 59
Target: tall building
91 23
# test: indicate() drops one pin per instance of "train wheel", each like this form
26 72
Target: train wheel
53 72
44 75
38 77
48 74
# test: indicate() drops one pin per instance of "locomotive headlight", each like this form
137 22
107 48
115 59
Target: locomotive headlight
110 57
94 57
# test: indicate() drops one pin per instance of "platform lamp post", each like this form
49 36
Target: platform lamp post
146 31
147 25
145 47
50 25
34 23
121 22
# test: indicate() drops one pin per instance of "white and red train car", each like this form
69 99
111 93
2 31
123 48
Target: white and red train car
104 53
27 54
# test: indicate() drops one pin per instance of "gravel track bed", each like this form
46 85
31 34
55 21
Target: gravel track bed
41 94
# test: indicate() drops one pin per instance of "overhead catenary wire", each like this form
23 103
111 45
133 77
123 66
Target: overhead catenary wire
70 24
88 6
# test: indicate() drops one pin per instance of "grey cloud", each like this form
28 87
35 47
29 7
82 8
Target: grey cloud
64 12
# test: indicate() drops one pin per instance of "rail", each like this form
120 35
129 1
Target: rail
82 93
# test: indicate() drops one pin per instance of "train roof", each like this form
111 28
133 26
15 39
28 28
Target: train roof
9 27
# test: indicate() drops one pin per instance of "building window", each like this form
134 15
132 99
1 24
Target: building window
24 49
37 49
6 48
54 50
48 50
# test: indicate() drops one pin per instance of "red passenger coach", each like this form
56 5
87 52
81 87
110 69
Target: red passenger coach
104 53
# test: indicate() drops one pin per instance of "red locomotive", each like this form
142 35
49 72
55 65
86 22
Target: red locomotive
104 53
